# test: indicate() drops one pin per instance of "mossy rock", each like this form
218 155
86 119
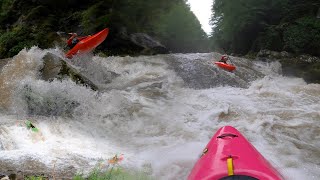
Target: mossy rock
310 72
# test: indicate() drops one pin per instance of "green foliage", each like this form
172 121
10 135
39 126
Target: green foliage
250 25
140 15
238 23
35 178
95 17
5 6
114 173
181 31
303 36
12 42
27 23
270 39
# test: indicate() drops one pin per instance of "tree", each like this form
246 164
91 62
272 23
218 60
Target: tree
181 31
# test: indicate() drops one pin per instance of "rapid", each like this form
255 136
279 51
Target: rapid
159 112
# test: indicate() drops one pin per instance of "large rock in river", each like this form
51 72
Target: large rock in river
56 67
150 45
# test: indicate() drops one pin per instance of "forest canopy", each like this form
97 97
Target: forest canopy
242 26
24 23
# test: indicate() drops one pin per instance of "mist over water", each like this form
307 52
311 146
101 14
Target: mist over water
160 112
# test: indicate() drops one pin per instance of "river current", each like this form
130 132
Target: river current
159 112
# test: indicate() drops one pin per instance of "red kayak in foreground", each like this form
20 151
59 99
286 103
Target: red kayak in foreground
230 156
225 66
88 44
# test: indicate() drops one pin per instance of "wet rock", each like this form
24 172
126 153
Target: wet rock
273 54
4 177
135 44
199 72
263 53
309 59
3 62
308 69
52 66
304 66
57 68
68 70
285 54
150 45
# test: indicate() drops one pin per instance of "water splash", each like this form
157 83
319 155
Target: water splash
151 115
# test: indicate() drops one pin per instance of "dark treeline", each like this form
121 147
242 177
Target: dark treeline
243 26
24 23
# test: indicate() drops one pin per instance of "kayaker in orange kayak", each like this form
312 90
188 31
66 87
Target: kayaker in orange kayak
83 45
224 59
74 39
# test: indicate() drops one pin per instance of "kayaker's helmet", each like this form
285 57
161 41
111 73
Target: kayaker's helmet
224 57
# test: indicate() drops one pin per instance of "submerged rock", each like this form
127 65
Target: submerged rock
56 67
47 104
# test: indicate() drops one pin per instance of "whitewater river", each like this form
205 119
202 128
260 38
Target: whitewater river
159 112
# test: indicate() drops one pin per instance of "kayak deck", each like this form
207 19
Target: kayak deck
230 154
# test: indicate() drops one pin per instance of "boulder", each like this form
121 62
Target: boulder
304 66
308 59
52 66
285 54
264 53
124 43
56 67
150 45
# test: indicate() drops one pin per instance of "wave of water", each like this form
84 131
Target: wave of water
160 113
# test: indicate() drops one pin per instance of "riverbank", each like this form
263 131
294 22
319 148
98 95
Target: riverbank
293 65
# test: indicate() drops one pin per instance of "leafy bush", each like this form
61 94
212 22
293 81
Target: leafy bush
115 173
112 171
303 36
270 39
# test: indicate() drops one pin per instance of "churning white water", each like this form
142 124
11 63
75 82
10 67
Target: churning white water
160 112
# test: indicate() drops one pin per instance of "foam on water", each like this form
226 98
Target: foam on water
159 124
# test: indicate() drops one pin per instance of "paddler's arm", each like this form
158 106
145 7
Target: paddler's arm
69 42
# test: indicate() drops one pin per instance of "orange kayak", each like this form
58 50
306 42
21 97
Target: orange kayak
88 44
225 66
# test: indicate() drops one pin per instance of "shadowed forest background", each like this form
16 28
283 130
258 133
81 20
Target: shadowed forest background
239 27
